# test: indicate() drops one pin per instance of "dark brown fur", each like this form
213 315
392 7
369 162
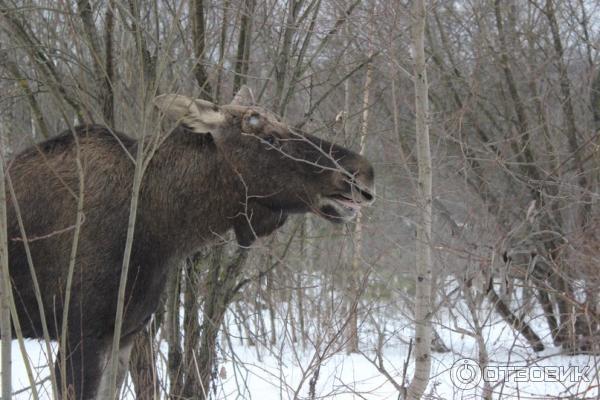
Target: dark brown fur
194 190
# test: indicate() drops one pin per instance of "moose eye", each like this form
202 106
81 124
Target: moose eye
271 140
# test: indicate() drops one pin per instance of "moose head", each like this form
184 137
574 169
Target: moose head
282 170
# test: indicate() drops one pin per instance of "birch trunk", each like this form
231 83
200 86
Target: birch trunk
5 288
357 237
424 201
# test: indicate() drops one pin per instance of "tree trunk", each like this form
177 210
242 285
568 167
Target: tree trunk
101 58
222 49
595 99
517 323
423 284
191 326
243 50
523 149
175 357
260 302
220 289
5 288
548 307
352 346
283 59
142 366
271 305
198 34
108 99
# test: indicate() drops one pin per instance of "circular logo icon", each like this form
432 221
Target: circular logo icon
465 374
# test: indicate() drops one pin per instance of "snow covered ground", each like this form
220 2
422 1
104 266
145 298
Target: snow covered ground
514 371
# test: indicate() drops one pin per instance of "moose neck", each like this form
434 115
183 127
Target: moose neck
189 195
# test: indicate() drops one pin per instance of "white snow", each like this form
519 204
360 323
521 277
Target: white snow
285 371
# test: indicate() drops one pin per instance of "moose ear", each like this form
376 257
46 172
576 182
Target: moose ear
244 97
200 115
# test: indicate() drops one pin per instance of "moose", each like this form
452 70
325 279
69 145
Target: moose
218 168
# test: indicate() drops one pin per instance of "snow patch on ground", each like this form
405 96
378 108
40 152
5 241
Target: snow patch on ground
288 371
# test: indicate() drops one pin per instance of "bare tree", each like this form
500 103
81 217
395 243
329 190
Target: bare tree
423 285
5 286
243 50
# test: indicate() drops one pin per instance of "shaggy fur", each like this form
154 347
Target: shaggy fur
196 188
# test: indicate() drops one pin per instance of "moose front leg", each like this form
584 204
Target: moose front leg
105 390
86 360
88 367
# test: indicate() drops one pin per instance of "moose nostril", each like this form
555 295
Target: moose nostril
367 195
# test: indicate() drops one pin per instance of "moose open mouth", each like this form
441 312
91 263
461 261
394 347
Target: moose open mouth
346 202
339 208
